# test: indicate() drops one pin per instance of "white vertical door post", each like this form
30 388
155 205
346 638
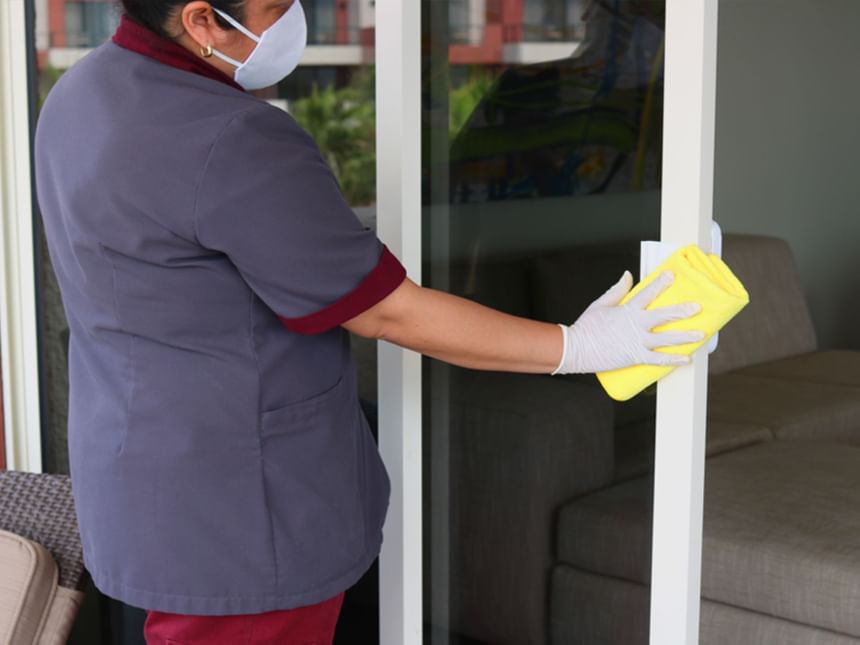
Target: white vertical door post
398 150
687 198
18 332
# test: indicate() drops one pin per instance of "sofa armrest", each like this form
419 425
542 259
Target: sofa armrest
520 446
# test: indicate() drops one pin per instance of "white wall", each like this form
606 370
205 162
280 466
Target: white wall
788 143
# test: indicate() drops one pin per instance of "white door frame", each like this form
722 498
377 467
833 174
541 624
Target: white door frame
687 200
398 150
18 322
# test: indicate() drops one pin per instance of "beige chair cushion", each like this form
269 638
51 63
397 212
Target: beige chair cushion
634 444
27 588
776 323
585 610
33 609
781 532
791 409
61 616
837 367
723 436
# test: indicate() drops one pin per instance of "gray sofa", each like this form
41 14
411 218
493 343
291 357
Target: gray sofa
551 480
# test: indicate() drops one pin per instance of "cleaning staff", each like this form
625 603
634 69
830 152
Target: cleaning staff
225 478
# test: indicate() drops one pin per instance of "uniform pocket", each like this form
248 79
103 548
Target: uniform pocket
313 478
293 415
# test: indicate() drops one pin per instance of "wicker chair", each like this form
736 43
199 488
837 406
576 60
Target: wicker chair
42 573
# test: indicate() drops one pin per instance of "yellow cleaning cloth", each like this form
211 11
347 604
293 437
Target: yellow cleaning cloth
700 278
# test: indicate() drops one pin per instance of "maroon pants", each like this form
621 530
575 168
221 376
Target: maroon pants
310 625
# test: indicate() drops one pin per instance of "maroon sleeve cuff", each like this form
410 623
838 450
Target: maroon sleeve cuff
385 277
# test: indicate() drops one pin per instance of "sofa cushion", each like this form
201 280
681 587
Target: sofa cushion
781 526
776 323
634 444
27 588
585 610
519 446
724 436
609 532
838 367
791 409
563 284
723 624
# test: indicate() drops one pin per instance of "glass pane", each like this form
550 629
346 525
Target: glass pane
784 398
320 17
89 24
541 174
333 98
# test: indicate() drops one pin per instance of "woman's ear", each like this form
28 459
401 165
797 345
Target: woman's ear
198 20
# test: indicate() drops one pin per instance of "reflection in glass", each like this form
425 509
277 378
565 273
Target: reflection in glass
542 156
321 21
551 19
90 23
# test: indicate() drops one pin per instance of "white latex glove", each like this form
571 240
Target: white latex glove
610 336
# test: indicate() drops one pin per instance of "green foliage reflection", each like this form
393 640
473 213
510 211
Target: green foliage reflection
342 122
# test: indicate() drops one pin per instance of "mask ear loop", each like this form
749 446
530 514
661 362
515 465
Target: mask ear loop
241 28
237 25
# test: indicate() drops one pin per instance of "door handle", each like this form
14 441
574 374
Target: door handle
653 254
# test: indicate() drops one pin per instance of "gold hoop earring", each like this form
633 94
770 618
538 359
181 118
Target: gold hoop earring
207 52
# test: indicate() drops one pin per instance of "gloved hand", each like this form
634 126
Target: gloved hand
610 336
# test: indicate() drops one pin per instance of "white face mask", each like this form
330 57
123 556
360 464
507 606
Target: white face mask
277 53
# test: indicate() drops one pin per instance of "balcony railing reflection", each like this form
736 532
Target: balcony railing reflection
89 38
465 33
335 36
82 39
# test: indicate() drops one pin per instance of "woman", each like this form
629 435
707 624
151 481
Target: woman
225 478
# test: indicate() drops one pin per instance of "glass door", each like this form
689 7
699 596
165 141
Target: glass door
541 172
545 157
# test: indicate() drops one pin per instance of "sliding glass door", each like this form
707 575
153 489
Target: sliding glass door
545 158
541 174
524 148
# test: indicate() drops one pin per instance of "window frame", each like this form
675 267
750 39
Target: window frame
18 322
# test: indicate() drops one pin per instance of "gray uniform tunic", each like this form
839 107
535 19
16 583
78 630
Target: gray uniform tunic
219 458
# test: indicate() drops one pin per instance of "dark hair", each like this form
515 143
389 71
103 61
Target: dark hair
153 14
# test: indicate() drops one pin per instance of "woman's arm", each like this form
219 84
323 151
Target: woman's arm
460 331
608 335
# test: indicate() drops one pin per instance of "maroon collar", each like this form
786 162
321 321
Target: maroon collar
134 36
